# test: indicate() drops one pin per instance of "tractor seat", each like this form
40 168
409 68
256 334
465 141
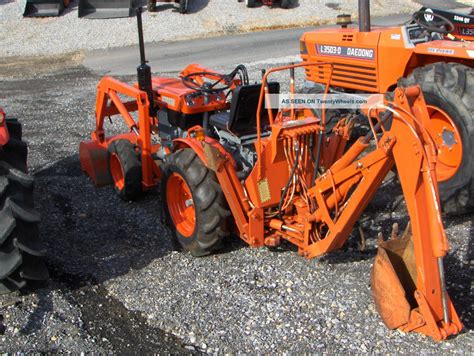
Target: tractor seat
241 120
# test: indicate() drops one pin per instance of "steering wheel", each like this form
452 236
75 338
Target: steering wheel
444 26
196 82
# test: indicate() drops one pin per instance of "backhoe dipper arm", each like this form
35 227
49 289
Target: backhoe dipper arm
429 309
408 277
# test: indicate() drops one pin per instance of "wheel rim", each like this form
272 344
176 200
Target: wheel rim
448 141
116 170
181 205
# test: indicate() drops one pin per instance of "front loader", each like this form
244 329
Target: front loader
45 8
227 163
106 9
426 51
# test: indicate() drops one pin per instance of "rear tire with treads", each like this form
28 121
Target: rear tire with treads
450 86
210 208
15 152
21 252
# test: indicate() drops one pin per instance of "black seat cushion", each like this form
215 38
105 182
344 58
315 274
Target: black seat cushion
220 120
242 118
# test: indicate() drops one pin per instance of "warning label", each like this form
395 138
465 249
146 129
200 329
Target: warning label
345 51
443 51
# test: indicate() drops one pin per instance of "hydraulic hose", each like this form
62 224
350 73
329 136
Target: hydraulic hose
385 116
292 174
317 158
243 74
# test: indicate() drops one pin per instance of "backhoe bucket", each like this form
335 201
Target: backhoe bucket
106 9
43 8
393 280
398 300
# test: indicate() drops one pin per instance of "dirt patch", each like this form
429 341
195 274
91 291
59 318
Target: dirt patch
28 66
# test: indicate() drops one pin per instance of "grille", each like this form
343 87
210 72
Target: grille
346 75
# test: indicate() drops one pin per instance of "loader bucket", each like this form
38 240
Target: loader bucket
43 8
106 9
393 280
95 162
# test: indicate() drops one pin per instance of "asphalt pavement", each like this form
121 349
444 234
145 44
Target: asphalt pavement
219 51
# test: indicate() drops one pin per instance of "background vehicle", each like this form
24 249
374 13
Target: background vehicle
225 163
376 60
285 4
463 22
44 8
183 5
20 249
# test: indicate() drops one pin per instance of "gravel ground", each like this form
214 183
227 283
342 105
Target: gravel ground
68 33
119 284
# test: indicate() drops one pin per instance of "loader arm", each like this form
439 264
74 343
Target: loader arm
93 153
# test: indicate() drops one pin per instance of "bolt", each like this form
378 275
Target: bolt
188 203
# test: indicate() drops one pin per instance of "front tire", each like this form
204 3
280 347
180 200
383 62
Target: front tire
194 203
125 169
450 87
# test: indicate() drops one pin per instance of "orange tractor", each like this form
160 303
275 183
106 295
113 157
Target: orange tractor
423 52
463 23
227 163
20 249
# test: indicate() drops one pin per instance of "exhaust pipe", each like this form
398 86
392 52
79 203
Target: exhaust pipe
144 70
364 15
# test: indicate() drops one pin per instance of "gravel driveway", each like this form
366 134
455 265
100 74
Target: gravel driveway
119 285
68 33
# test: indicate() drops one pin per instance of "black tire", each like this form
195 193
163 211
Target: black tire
151 5
209 202
131 168
183 6
15 152
332 115
21 252
251 3
285 4
450 86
